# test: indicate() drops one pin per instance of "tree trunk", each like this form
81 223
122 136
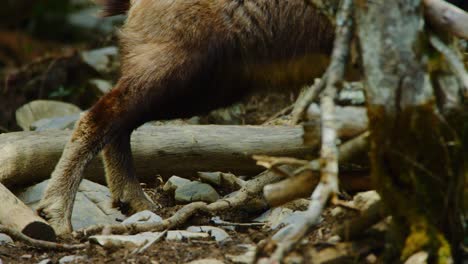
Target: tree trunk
418 129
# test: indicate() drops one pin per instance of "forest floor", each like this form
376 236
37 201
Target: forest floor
363 251
258 109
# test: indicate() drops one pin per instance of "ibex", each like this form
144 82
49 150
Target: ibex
181 58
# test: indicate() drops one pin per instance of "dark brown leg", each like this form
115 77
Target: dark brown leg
154 87
126 192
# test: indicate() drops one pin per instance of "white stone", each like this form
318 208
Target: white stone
143 217
71 258
113 241
5 239
215 232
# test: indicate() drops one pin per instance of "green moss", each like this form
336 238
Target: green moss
417 167
417 240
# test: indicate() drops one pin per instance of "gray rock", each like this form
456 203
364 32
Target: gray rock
103 60
232 115
5 239
295 218
420 257
274 217
364 200
42 109
88 19
45 261
247 258
101 86
72 259
124 241
288 222
228 180
196 191
92 203
139 240
282 233
56 123
211 177
297 205
143 217
175 182
215 232
352 93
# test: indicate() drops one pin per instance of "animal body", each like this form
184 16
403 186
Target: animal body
182 58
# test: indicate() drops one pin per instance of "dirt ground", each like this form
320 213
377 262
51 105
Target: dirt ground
190 250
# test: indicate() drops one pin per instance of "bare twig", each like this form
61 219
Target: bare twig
39 243
447 17
220 222
356 226
154 240
177 219
328 186
304 101
282 112
306 178
453 60
270 162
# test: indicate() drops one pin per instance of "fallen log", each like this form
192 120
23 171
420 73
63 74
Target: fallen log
28 157
16 215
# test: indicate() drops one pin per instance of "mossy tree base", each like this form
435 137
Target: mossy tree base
418 136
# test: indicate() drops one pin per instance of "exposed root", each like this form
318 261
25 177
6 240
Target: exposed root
447 17
356 226
248 196
304 101
41 244
457 66
328 185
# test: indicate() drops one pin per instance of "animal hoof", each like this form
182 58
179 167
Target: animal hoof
55 216
131 206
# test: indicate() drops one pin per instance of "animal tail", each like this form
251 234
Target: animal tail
114 7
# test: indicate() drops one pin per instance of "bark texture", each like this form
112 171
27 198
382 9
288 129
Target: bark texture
14 214
418 136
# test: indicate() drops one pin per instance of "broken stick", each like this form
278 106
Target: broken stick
16 215
301 185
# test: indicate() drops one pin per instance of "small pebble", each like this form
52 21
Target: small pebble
5 239
45 261
71 258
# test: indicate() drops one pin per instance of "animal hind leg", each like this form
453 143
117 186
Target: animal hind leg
100 125
127 194
152 88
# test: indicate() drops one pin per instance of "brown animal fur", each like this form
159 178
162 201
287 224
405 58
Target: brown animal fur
182 58
114 7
